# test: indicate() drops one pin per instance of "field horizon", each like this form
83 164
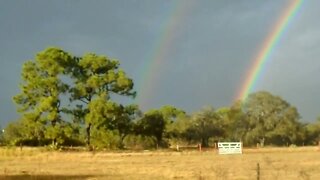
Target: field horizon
273 162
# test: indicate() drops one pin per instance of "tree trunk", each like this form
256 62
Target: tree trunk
121 140
159 141
262 142
54 140
88 129
204 142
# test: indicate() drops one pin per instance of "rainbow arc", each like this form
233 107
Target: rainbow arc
164 42
268 47
150 76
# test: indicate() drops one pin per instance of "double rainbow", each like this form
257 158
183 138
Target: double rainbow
165 41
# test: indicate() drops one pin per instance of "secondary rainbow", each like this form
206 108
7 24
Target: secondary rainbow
163 44
268 47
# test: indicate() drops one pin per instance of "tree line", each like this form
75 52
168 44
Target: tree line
68 100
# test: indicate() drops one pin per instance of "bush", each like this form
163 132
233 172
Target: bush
138 142
105 139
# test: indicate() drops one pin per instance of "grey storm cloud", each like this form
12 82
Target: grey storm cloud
212 51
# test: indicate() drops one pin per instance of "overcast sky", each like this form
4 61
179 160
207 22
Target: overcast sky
211 47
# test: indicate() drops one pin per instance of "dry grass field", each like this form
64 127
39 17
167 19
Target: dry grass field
275 163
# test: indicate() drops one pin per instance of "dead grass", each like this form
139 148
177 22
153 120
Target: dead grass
275 163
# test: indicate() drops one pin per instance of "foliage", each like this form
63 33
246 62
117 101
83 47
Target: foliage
313 132
152 124
178 128
39 101
95 79
270 120
1 136
204 125
92 117
91 80
159 124
139 142
233 122
105 139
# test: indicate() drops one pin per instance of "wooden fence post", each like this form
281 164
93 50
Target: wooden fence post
258 171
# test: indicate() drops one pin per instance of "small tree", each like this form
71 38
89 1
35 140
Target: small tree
233 122
152 124
313 133
124 121
170 114
205 124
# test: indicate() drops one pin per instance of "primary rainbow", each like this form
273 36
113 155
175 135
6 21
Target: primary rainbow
268 46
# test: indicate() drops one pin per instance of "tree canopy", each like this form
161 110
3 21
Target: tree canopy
69 100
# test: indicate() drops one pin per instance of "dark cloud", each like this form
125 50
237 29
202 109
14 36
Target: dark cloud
211 53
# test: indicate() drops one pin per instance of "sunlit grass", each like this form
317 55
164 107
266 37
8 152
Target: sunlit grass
275 163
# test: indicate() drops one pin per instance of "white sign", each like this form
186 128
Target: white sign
230 147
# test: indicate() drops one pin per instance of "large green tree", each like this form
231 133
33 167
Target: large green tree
89 81
95 80
39 101
271 120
